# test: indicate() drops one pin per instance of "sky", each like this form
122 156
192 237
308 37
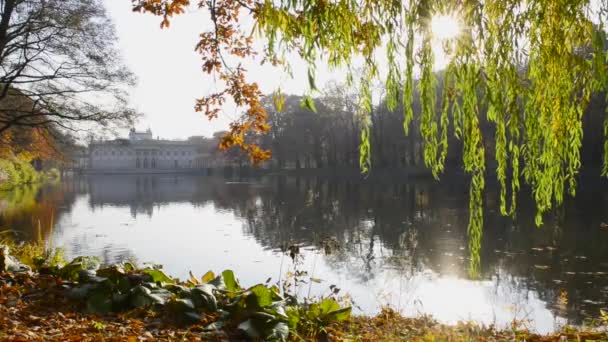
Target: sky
170 76
167 69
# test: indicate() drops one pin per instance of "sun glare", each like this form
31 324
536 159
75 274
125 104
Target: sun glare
444 27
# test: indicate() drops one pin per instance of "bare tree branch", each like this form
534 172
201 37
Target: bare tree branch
59 65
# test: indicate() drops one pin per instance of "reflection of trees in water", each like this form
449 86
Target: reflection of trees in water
28 209
364 219
417 226
560 260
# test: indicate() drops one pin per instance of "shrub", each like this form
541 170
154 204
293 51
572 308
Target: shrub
9 175
15 172
26 171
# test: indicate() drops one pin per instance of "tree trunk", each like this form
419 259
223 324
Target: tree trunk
7 12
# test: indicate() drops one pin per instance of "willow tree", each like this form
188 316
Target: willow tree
532 63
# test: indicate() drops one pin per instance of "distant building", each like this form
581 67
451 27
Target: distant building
138 136
80 158
142 152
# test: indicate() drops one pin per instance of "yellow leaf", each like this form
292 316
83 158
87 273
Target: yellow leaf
193 279
207 277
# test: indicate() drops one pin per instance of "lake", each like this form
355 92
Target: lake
401 243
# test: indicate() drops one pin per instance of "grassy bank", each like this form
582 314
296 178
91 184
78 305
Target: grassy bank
15 172
82 300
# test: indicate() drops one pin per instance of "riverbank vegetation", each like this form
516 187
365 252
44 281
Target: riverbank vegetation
29 155
49 299
16 172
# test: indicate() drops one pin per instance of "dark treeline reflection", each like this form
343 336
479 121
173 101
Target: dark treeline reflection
365 227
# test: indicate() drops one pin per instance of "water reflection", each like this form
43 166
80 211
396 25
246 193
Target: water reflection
397 243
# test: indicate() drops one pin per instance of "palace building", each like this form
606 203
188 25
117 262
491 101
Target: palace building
142 152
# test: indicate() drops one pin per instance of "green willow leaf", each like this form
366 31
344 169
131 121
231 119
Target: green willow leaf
308 103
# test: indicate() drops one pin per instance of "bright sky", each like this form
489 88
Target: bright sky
170 77
169 72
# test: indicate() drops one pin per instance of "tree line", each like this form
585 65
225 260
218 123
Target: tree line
330 137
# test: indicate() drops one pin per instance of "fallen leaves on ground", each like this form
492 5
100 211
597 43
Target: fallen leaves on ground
390 326
32 308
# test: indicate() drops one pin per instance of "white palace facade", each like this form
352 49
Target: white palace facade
144 153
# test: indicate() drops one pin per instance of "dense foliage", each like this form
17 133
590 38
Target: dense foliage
16 172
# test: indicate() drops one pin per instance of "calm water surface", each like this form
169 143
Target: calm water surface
402 244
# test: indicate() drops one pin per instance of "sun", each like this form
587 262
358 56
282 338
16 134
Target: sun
444 27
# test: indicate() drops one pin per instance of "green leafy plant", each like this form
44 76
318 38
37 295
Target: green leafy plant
259 311
312 320
99 326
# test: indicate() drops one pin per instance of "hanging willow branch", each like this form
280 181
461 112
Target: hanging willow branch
530 65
